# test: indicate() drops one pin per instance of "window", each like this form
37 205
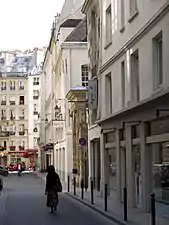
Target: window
3 114
133 7
12 85
122 14
135 87
36 81
66 66
12 114
35 94
21 85
108 25
21 129
34 141
12 100
158 60
85 74
108 92
21 100
123 83
35 110
3 86
3 100
22 114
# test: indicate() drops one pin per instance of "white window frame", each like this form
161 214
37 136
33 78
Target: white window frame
158 74
85 74
108 25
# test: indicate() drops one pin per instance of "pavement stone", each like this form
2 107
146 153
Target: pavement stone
23 203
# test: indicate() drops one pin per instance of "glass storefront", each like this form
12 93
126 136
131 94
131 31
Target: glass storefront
160 171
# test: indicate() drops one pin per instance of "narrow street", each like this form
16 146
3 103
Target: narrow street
22 202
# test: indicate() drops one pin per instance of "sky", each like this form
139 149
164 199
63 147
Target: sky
25 24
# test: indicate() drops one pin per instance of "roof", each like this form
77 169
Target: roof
70 23
79 34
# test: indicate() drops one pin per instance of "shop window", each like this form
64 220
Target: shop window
160 171
135 131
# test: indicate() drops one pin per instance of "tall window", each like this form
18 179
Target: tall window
123 83
133 7
122 14
3 86
108 93
108 25
21 85
3 114
35 94
12 85
85 75
158 60
36 81
135 84
12 114
21 100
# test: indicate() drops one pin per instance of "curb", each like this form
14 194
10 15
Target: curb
105 214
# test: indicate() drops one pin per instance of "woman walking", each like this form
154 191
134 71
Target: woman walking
53 186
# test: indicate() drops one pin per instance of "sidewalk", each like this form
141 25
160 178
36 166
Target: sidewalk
115 209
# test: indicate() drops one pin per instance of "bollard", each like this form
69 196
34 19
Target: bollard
153 210
125 203
105 197
68 183
82 188
74 182
92 192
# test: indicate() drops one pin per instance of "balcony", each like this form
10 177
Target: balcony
12 102
3 102
35 113
21 132
3 88
21 102
12 88
3 117
2 148
4 134
21 148
12 148
35 97
12 117
21 87
11 133
21 117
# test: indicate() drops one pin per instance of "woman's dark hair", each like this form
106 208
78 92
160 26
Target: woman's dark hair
51 169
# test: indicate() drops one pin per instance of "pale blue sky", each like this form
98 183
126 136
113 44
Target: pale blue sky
27 23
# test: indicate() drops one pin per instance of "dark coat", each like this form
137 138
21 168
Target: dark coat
51 181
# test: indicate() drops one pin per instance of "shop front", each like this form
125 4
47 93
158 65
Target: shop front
135 155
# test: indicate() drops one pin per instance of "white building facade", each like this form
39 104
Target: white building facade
34 106
133 89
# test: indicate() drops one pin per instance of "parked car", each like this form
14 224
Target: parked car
3 171
1 183
12 167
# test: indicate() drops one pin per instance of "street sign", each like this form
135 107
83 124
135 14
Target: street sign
83 141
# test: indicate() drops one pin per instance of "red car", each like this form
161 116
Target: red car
12 167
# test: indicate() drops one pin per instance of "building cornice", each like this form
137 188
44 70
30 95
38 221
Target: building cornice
74 45
145 29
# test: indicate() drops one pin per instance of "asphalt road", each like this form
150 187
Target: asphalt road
22 202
